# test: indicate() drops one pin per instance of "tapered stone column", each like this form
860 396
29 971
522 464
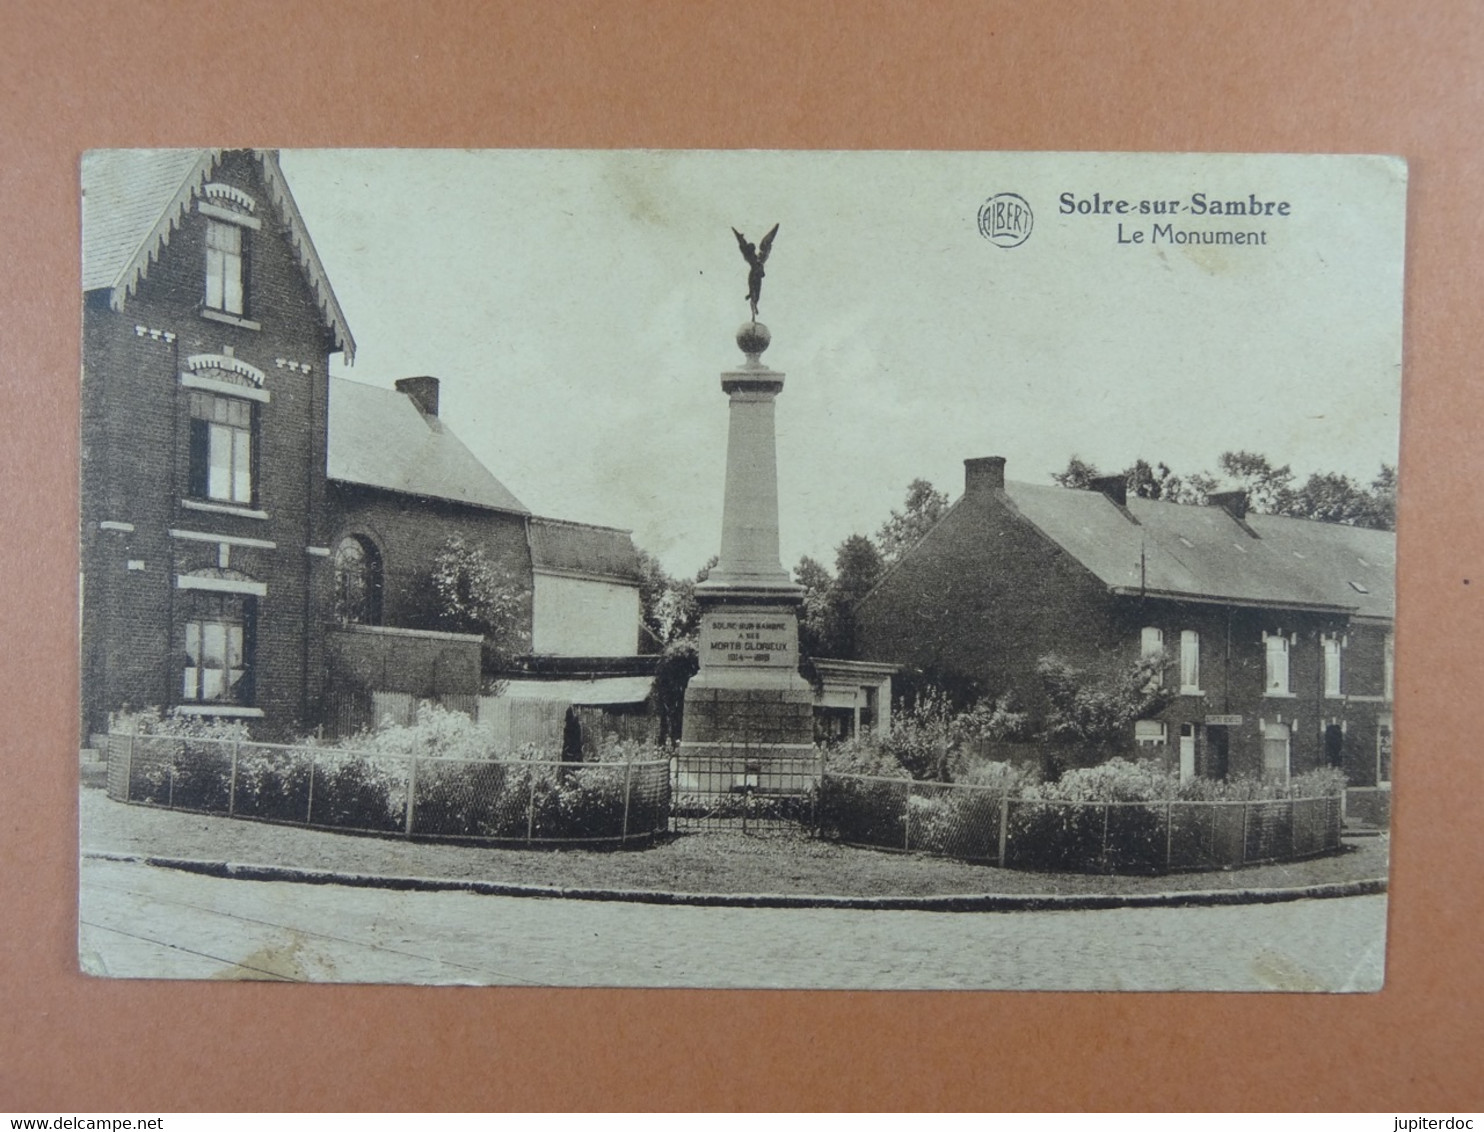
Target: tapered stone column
748 692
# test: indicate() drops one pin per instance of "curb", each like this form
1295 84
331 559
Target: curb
970 902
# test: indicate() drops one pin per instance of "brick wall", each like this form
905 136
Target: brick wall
135 469
422 664
409 531
985 596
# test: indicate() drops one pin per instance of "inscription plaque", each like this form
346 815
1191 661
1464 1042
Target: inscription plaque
752 640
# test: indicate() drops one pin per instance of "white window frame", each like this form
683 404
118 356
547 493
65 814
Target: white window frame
1270 733
1150 733
229 472
220 635
1277 670
1388 687
1190 662
1333 666
224 267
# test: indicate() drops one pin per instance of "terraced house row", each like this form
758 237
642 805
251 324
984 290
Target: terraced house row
1274 633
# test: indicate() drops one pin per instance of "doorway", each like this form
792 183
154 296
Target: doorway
1216 751
1334 746
1187 751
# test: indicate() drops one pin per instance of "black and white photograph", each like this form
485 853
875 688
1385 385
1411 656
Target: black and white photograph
739 569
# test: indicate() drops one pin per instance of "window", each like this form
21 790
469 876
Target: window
218 649
221 448
1190 662
358 581
1276 682
1383 751
1151 649
1390 667
225 251
1331 666
1149 733
1275 752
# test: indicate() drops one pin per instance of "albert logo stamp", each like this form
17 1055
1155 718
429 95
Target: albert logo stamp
1006 220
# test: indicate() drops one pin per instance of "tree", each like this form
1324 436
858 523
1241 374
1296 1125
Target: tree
858 566
924 506
1269 489
654 584
1143 480
1334 498
1329 497
818 584
1078 474
1095 712
471 593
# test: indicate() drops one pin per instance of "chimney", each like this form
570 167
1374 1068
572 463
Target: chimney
423 391
986 473
1114 487
1234 503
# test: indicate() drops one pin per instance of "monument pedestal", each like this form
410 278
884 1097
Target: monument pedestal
748 696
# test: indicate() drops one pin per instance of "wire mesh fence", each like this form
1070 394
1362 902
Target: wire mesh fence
516 802
977 823
744 789
550 803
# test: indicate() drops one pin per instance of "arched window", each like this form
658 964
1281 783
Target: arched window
357 581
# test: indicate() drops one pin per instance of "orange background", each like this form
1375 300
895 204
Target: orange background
1381 77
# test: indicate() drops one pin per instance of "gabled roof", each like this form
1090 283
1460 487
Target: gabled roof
133 199
379 438
558 546
1203 553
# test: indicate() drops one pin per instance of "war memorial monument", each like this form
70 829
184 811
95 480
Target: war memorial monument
748 697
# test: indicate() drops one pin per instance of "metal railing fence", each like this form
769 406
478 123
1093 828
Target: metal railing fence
745 790
512 802
979 823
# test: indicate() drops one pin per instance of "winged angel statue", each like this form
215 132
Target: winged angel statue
755 257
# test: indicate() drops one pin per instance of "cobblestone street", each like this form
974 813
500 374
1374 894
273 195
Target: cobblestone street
139 921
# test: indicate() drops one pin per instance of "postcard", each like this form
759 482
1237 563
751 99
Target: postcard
739 568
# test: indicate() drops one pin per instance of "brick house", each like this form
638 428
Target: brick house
1276 631
249 524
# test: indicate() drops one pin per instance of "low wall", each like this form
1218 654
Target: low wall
415 661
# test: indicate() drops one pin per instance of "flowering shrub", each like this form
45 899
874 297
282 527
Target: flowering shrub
1119 817
151 721
436 732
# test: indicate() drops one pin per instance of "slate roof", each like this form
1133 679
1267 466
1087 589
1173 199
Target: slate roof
379 438
134 199
559 546
1182 551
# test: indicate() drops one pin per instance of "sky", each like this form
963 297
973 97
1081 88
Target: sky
579 307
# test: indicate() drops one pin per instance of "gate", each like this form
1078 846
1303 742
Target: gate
744 790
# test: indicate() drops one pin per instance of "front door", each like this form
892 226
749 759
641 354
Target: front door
1187 751
1216 752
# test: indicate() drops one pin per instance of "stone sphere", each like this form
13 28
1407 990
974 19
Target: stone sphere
753 338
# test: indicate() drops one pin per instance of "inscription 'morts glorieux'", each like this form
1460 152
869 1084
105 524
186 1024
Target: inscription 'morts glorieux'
731 639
